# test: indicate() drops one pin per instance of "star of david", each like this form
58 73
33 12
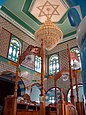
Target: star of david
48 7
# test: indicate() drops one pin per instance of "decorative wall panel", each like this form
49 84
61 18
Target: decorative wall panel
63 57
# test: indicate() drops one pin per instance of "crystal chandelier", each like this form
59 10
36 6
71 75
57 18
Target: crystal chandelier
50 33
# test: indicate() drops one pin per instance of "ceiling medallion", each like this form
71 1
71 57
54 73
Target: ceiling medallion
49 32
48 9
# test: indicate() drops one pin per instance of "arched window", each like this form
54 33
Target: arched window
15 45
80 91
53 64
76 62
50 95
38 64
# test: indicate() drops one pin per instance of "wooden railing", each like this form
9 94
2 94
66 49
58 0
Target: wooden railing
22 108
28 109
70 109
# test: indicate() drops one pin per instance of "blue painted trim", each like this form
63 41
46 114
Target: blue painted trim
2 2
72 3
83 60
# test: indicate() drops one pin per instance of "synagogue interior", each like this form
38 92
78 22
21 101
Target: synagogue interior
42 57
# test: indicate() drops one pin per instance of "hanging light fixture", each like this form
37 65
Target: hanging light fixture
50 33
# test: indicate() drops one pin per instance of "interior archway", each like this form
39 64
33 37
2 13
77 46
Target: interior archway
50 95
81 93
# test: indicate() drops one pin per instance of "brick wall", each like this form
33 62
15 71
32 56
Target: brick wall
15 31
6 67
4 42
6 29
63 46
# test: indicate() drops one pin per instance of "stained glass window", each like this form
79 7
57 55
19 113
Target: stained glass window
50 95
15 45
53 64
52 99
76 63
38 64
